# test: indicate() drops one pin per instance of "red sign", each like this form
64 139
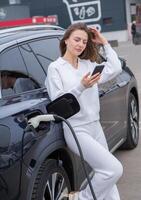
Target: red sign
29 21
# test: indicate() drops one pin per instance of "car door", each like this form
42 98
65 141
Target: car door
20 96
10 132
113 109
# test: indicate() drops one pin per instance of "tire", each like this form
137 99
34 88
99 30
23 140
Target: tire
51 182
132 124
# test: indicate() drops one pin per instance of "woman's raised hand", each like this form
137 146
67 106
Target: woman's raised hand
98 38
88 80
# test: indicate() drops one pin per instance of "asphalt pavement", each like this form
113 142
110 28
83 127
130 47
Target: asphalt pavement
130 183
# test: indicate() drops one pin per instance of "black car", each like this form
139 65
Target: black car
37 165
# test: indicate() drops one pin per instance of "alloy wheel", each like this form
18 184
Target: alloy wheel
134 120
55 188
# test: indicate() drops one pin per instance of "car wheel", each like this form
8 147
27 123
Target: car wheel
132 124
52 182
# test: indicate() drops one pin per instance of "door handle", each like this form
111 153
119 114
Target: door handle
123 83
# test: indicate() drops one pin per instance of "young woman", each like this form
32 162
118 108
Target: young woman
72 73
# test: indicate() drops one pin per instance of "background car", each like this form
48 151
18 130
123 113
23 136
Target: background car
38 165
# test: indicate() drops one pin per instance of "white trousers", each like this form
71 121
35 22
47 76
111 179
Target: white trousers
95 151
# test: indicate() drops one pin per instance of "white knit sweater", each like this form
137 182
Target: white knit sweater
62 77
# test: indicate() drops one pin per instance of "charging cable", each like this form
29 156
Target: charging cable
34 123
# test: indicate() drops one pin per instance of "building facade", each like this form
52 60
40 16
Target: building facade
112 17
108 16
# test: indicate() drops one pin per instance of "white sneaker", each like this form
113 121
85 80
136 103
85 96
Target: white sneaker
72 196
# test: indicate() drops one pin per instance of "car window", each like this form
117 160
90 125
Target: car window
46 50
11 60
15 83
34 68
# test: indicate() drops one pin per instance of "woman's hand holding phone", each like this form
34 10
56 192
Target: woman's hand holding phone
89 80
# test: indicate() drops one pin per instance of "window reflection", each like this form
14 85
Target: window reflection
14 83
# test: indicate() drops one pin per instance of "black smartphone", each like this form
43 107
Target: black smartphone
98 69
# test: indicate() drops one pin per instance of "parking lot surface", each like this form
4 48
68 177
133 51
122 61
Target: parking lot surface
130 183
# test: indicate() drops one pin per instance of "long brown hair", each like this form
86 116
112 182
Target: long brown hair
91 50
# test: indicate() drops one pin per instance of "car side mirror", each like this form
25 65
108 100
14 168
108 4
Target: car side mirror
64 106
123 62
